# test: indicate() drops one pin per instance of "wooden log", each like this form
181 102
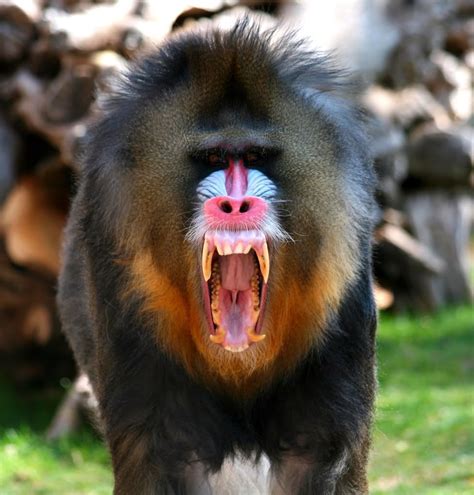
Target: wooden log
27 306
442 221
405 267
70 95
17 28
387 146
61 111
65 137
9 153
439 159
422 26
407 107
42 62
420 255
97 28
395 217
452 84
33 218
464 8
460 37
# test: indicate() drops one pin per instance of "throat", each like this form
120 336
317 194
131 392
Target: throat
235 300
238 315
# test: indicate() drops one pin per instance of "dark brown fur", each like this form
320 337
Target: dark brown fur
173 404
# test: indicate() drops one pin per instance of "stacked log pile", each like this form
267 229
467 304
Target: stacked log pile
423 133
56 56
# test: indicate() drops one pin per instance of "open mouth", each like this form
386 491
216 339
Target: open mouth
235 267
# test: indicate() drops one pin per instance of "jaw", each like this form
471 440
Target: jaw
235 269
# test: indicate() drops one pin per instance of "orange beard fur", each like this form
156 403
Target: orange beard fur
294 319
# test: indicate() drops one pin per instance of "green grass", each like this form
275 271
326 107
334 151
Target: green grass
29 465
423 436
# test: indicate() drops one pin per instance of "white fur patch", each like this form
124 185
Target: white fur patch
242 476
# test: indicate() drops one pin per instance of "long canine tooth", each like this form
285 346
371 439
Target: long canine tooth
264 262
207 260
255 337
218 337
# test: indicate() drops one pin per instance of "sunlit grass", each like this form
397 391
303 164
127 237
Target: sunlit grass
423 438
29 465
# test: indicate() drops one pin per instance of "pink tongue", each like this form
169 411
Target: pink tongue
235 298
237 271
236 316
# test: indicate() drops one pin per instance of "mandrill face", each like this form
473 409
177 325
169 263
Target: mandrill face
239 219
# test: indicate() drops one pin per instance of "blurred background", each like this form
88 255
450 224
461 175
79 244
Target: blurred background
414 62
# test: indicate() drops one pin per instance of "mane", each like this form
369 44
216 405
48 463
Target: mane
243 52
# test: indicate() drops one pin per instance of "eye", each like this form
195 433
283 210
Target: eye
254 158
210 158
216 158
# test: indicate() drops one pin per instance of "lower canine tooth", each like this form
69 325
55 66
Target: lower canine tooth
218 337
255 337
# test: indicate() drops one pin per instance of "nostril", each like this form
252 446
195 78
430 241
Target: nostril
226 207
245 206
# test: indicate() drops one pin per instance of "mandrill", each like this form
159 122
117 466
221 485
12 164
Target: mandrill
216 286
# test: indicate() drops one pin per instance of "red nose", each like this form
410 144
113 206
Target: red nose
227 212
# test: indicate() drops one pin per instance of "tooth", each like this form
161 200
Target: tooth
218 337
216 316
227 249
247 249
207 260
219 249
237 348
239 248
264 262
255 337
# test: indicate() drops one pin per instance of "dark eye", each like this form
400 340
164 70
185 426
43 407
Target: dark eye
216 158
210 158
253 158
